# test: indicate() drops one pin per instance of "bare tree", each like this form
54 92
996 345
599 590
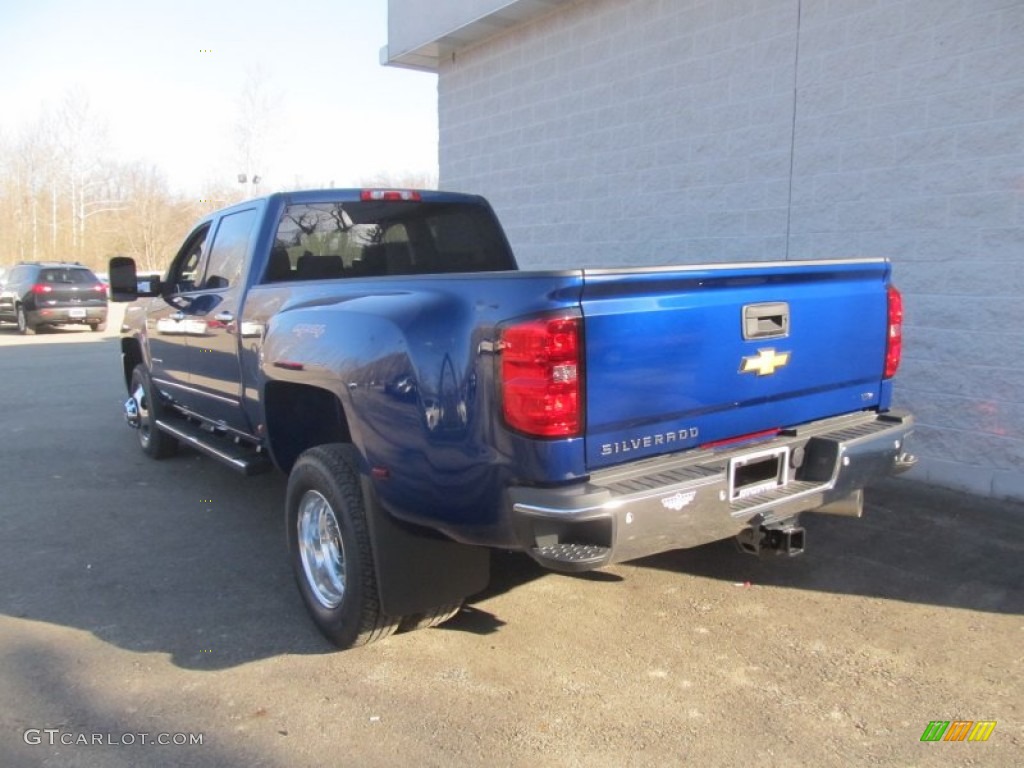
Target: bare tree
148 227
61 198
28 210
82 139
256 127
403 180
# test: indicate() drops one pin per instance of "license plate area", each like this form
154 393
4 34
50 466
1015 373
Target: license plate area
758 472
76 313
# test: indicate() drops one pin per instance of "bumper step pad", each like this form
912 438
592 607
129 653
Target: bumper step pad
569 555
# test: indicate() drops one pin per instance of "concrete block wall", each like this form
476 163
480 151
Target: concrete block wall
638 132
909 143
643 132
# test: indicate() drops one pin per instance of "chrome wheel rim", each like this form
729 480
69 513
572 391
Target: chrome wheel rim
22 320
139 395
321 549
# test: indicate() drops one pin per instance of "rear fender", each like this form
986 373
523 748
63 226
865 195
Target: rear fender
411 363
326 382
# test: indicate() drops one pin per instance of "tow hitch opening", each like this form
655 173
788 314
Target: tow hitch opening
775 539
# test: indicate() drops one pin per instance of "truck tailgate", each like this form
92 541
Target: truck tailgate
681 357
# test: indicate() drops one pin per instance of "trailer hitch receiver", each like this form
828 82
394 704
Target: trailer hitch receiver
777 539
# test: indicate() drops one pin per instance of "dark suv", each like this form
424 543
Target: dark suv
53 293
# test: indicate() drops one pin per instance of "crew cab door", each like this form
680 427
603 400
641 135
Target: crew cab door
166 326
211 322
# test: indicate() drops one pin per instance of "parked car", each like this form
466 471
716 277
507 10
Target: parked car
53 293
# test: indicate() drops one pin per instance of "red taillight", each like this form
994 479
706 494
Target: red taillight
894 336
100 287
42 288
540 377
371 195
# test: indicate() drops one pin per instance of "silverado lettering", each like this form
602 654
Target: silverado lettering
429 402
647 441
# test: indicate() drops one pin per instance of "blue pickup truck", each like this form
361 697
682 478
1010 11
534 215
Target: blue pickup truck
428 401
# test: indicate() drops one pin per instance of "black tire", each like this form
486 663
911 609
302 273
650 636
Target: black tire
433 618
24 327
153 442
98 327
334 566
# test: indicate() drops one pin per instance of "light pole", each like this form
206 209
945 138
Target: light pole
243 179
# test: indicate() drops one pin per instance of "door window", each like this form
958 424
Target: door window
230 247
185 269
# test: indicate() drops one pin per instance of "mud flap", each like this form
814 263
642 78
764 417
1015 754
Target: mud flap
418 569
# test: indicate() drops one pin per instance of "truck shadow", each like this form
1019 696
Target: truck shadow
190 562
915 543
37 678
182 557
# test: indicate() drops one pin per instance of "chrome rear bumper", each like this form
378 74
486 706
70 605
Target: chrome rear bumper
693 498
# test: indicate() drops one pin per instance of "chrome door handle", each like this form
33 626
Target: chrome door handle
224 317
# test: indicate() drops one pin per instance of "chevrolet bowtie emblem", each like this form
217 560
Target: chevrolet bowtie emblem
765 362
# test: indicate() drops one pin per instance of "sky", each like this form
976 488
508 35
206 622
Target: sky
167 78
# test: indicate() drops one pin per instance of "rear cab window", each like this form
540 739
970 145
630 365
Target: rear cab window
317 241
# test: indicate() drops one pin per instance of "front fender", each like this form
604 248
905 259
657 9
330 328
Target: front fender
135 339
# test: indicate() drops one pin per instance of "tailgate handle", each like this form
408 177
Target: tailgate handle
766 321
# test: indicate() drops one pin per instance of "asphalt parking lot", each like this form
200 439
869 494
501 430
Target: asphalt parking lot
143 599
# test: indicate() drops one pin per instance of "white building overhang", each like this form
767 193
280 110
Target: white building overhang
421 35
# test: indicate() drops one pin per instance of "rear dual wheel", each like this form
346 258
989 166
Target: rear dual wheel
329 546
432 618
332 554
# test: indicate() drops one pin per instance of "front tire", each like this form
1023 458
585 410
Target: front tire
330 549
153 442
24 328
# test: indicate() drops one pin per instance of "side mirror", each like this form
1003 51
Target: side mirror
124 282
